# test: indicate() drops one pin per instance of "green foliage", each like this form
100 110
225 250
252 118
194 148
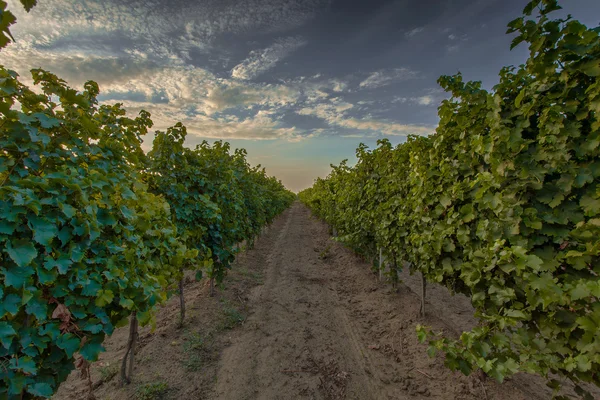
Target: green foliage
502 204
82 241
218 200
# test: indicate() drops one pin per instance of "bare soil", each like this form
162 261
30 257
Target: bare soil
299 317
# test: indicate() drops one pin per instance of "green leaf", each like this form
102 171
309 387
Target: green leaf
41 389
591 68
105 217
445 201
127 212
69 343
28 4
17 277
25 364
46 121
534 262
104 297
21 251
91 350
51 330
126 303
7 333
68 210
519 98
62 264
17 384
7 228
39 308
43 230
580 291
590 205
10 304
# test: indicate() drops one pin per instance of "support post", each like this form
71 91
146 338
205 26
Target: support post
380 264
423 293
181 303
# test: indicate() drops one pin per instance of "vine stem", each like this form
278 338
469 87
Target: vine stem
133 325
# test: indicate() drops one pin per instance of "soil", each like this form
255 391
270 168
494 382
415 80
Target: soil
299 317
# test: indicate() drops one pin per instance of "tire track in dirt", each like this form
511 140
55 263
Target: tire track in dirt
298 343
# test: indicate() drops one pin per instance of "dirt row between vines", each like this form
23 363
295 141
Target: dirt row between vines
299 316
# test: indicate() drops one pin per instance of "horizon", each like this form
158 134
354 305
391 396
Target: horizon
298 83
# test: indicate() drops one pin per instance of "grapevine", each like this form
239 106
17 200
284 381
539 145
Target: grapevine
502 204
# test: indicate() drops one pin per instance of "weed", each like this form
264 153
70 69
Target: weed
325 254
193 362
232 318
151 391
231 315
108 371
256 276
194 341
195 347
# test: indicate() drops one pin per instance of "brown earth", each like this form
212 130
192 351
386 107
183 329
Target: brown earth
299 316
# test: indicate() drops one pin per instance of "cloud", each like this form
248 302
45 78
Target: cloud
425 100
433 97
387 77
338 85
335 113
413 32
144 54
258 126
262 60
155 23
230 95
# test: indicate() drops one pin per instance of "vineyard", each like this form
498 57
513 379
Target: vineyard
501 204
100 240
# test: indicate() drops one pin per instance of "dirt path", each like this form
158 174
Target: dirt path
299 317
299 337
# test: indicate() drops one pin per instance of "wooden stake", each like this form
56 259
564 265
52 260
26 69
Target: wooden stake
380 264
212 287
181 303
423 293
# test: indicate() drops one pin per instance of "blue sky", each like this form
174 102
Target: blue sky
298 83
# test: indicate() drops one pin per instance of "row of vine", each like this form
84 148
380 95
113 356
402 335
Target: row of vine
93 230
502 204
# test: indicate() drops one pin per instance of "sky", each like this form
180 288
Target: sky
298 83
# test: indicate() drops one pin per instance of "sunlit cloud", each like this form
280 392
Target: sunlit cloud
386 77
262 60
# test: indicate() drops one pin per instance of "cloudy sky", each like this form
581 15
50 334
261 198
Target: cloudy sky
298 83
